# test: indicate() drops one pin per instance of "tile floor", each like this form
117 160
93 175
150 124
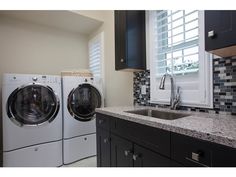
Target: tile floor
88 162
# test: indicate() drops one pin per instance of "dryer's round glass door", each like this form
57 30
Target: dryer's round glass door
34 104
83 101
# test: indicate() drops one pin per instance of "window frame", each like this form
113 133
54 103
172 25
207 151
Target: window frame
205 99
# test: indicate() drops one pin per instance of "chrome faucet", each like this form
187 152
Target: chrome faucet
174 99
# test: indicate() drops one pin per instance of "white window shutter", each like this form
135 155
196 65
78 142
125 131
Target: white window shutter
176 46
96 55
176 42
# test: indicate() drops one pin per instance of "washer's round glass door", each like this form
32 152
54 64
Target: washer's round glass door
82 102
34 104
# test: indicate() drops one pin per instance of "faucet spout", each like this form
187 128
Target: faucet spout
162 82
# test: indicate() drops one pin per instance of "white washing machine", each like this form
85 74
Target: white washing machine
32 120
81 96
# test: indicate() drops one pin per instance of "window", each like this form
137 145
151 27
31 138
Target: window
96 55
176 46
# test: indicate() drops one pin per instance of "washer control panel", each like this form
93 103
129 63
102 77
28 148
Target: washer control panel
48 79
23 78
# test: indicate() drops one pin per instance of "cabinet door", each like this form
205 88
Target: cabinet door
220 28
130 40
120 39
223 156
103 148
136 39
121 152
146 158
143 135
103 121
190 152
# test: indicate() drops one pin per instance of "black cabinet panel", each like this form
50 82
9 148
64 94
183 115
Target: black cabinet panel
120 40
175 164
103 121
130 40
121 152
223 156
155 139
146 158
103 148
195 152
190 151
220 29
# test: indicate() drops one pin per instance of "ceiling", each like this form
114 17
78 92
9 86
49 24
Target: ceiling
64 20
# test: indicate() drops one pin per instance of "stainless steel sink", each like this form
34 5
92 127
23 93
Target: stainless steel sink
158 114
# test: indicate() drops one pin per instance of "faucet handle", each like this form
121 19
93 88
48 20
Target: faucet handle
178 91
177 98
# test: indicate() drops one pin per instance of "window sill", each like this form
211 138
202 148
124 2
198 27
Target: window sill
196 105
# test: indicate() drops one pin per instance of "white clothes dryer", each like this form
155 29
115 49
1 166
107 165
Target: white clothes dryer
32 120
81 96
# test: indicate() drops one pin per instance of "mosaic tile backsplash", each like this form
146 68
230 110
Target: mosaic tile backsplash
224 88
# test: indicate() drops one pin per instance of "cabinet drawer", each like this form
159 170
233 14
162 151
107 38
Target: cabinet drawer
147 158
103 121
155 139
190 151
223 156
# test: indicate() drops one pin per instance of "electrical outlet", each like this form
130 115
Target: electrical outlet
143 89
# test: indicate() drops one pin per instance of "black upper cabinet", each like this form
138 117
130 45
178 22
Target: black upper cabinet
130 40
220 29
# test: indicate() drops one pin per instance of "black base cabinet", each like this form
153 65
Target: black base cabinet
190 152
223 156
144 157
127 154
194 152
122 143
103 148
121 152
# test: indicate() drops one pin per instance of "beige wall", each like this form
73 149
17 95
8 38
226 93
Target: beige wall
30 48
118 84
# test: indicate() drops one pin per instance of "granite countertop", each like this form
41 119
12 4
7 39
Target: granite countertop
215 128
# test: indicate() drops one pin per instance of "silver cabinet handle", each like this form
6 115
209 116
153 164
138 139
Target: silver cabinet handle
195 156
100 121
106 140
211 34
136 156
122 60
127 152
